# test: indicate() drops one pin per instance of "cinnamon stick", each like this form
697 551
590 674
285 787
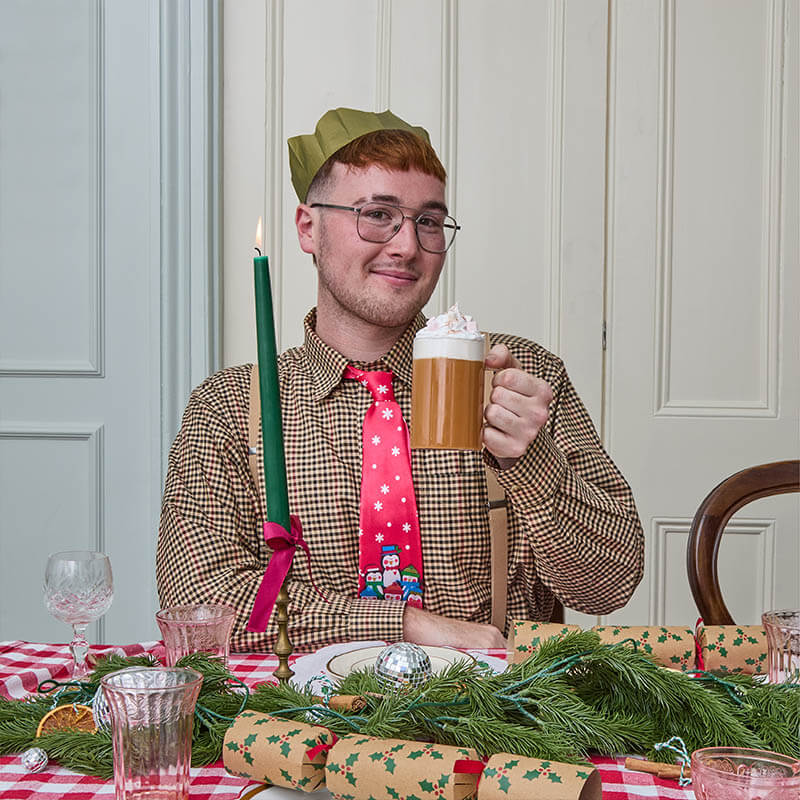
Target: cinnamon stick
342 702
659 769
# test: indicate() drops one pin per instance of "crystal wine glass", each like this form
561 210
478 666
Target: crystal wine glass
78 589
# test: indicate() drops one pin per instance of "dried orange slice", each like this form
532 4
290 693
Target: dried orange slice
72 716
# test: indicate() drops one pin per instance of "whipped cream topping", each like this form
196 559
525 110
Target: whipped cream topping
451 324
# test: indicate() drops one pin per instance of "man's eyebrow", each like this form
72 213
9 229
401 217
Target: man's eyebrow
394 200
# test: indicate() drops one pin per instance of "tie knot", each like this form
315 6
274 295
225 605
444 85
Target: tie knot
378 383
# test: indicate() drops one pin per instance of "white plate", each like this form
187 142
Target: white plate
343 664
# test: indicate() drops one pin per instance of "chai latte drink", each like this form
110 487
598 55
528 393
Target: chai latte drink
447 384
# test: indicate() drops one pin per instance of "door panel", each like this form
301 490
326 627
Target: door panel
702 375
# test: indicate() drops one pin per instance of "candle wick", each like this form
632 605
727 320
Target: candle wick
257 251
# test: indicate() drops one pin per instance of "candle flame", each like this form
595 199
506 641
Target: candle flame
258 236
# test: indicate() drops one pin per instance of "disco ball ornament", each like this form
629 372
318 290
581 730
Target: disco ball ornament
101 713
34 759
402 665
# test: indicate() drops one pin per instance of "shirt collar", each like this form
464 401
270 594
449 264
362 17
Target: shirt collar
328 365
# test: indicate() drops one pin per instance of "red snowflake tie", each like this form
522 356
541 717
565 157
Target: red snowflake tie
390 553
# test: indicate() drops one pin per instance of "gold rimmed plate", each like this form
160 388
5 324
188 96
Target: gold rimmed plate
341 665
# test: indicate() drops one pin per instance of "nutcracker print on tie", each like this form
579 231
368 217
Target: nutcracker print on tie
390 553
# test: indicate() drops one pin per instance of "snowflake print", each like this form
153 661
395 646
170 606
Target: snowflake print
376 440
378 537
384 489
387 413
360 532
406 527
378 505
363 381
383 389
395 451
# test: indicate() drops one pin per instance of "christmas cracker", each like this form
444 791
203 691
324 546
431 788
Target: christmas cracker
387 769
733 648
671 647
277 751
526 636
508 777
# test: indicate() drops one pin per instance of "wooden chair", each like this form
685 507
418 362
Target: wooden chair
705 533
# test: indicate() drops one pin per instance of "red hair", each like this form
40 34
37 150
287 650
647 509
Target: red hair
391 149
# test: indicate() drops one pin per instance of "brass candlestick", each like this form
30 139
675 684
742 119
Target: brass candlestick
283 647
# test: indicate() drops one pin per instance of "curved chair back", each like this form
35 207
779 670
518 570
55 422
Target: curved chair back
709 522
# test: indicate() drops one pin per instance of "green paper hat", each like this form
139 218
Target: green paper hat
335 129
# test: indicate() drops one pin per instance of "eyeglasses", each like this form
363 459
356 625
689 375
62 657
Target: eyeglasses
378 223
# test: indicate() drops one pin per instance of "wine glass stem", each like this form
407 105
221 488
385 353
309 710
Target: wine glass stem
79 647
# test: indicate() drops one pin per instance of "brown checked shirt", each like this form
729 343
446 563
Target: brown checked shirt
573 528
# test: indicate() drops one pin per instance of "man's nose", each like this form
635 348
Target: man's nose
405 241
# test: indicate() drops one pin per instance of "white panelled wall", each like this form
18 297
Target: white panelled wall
620 165
109 260
626 163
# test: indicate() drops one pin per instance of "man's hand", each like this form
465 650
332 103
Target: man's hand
518 407
422 627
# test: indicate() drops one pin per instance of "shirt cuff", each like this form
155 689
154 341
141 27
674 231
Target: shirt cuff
372 618
533 480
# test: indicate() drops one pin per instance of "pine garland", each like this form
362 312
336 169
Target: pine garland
573 696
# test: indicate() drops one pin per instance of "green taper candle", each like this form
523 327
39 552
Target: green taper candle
271 427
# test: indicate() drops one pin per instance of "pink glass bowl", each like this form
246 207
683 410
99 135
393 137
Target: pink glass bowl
735 773
203 628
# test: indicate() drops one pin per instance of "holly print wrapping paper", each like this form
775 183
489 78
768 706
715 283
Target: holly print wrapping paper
526 636
394 769
734 648
277 751
516 778
672 647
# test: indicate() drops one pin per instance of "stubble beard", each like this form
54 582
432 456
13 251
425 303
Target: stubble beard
383 311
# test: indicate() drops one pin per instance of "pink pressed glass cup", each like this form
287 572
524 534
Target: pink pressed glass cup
204 628
152 715
783 645
735 773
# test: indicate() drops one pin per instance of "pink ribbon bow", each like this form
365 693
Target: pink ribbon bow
283 544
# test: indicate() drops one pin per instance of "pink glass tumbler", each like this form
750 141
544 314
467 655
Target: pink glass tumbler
783 645
204 628
152 712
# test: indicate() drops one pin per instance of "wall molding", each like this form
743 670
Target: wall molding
766 404
383 56
94 365
609 223
764 568
555 169
94 436
190 242
448 149
274 158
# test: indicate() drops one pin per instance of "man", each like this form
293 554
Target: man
574 532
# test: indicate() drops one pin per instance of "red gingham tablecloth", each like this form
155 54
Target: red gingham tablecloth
24 665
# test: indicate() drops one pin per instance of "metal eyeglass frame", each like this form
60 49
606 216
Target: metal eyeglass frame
357 211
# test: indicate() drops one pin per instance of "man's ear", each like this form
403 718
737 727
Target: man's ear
304 222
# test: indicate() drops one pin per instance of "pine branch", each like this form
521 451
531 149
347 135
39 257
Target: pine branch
113 662
89 753
489 736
